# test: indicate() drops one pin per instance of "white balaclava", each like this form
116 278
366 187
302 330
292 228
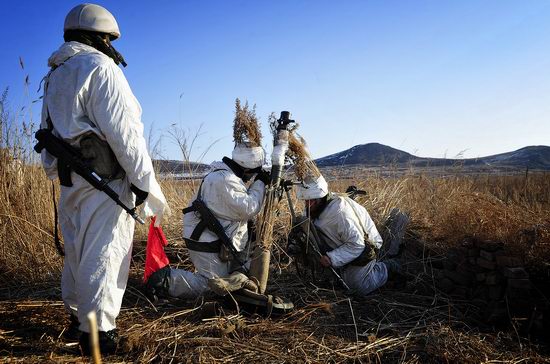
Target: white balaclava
312 188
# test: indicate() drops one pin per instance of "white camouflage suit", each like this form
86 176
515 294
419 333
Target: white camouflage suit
233 204
344 224
88 93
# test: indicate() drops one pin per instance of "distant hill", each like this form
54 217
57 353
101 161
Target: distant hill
371 154
375 154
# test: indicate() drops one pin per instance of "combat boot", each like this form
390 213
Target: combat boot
72 333
108 342
394 268
158 283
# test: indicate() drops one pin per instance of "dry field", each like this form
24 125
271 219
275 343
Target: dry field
416 323
421 321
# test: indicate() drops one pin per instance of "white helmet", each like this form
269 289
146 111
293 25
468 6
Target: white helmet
312 188
92 17
248 157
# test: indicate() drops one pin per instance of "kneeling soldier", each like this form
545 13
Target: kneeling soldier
350 236
232 204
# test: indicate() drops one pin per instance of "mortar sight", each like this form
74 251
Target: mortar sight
284 120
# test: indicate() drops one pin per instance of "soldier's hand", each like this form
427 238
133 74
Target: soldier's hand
325 261
141 195
264 176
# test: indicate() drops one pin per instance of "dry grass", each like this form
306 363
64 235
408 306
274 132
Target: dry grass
304 167
414 324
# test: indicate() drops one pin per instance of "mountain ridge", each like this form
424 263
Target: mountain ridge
376 154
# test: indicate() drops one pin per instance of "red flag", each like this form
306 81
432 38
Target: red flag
155 257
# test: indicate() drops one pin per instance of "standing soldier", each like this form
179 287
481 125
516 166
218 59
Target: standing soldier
88 104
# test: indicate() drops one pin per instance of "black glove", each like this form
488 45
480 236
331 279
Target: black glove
141 196
263 176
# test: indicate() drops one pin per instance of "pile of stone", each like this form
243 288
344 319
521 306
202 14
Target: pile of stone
485 274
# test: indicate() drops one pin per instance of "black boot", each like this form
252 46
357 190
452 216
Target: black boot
157 284
394 268
71 332
395 273
108 342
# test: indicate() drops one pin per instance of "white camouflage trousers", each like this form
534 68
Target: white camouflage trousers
189 285
98 243
363 280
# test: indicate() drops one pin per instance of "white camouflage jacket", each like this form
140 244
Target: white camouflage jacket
345 223
92 95
227 196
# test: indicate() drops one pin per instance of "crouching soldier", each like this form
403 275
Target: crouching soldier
349 234
233 204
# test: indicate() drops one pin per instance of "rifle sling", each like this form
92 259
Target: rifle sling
202 246
57 241
202 225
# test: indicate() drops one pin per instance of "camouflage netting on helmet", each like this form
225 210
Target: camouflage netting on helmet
304 166
246 129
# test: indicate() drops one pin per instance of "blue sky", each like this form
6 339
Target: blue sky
434 78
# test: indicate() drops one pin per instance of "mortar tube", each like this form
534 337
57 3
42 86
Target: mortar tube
261 254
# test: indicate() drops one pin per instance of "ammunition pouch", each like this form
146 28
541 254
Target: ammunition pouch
368 254
224 254
98 154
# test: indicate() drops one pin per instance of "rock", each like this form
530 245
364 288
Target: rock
487 255
505 261
493 278
518 273
519 283
460 278
490 246
478 302
445 285
480 293
461 292
515 293
487 264
473 252
449 264
495 292
521 307
469 268
480 277
457 255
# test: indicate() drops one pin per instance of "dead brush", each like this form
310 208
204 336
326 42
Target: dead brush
27 252
388 326
246 129
304 167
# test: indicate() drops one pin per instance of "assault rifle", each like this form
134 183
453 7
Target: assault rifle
212 224
70 157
